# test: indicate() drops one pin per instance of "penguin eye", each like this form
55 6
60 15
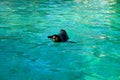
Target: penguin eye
53 37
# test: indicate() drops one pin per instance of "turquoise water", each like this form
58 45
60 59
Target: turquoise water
27 54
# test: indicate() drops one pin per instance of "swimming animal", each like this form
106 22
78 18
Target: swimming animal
61 37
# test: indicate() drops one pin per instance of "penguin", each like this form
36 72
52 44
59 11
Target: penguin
61 37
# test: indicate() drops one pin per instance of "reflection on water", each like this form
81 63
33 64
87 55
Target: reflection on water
27 54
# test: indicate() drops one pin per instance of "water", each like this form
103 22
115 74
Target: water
27 54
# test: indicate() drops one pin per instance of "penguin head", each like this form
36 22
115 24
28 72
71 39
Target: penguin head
55 38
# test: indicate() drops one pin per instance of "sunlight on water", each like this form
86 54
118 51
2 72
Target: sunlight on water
27 54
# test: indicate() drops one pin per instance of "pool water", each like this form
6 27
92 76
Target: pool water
27 54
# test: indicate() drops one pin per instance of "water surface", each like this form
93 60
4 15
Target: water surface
27 54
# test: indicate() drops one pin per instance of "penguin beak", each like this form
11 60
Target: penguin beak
50 36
